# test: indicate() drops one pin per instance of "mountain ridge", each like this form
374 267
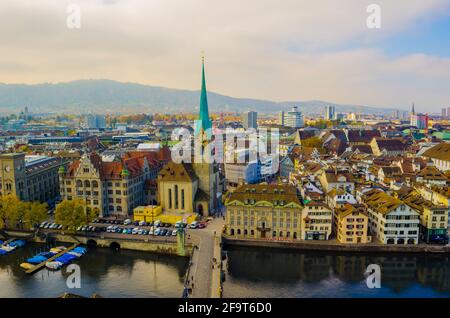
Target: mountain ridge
104 95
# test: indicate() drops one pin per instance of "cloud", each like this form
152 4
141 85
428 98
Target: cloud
280 50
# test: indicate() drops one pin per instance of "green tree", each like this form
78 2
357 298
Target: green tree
74 213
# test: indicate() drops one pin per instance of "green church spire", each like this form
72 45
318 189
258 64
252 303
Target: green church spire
203 123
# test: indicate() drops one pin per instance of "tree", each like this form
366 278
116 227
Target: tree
34 213
74 213
10 210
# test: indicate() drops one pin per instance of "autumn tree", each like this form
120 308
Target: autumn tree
33 213
74 213
10 209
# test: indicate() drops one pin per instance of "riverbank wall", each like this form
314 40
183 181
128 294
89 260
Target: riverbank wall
333 246
153 245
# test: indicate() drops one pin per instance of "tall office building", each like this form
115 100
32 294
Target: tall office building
330 112
249 120
94 121
293 118
443 113
281 118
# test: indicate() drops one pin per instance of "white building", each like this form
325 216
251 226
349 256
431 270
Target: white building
249 120
391 221
293 118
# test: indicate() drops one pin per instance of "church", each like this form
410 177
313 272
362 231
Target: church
192 187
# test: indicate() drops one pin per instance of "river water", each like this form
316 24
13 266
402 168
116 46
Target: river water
104 272
283 273
251 273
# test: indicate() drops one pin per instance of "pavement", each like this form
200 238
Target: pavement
204 273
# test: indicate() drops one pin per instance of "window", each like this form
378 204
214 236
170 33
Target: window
170 198
182 199
176 196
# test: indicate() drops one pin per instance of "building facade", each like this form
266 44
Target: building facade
30 178
114 188
264 211
391 221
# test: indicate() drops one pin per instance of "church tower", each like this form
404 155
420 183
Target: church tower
208 173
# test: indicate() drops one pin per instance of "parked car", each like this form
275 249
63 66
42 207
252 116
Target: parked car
135 231
127 222
193 225
142 223
157 223
174 232
125 231
144 232
169 233
157 231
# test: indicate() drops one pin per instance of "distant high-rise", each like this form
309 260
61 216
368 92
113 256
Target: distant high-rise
293 118
94 121
281 118
249 120
443 113
330 112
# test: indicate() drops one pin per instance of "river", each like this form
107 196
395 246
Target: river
104 272
283 273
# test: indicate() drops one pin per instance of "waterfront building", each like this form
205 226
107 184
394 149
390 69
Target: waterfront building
438 195
317 221
433 218
440 155
249 120
264 211
30 178
351 223
116 187
391 221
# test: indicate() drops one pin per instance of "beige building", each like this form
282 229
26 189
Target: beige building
115 188
264 211
351 223
30 178
317 221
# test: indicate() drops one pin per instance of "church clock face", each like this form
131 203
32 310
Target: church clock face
8 168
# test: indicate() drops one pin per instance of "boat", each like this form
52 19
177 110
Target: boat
26 266
58 249
54 265
8 248
17 243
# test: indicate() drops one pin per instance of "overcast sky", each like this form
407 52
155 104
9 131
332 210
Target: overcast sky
270 49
